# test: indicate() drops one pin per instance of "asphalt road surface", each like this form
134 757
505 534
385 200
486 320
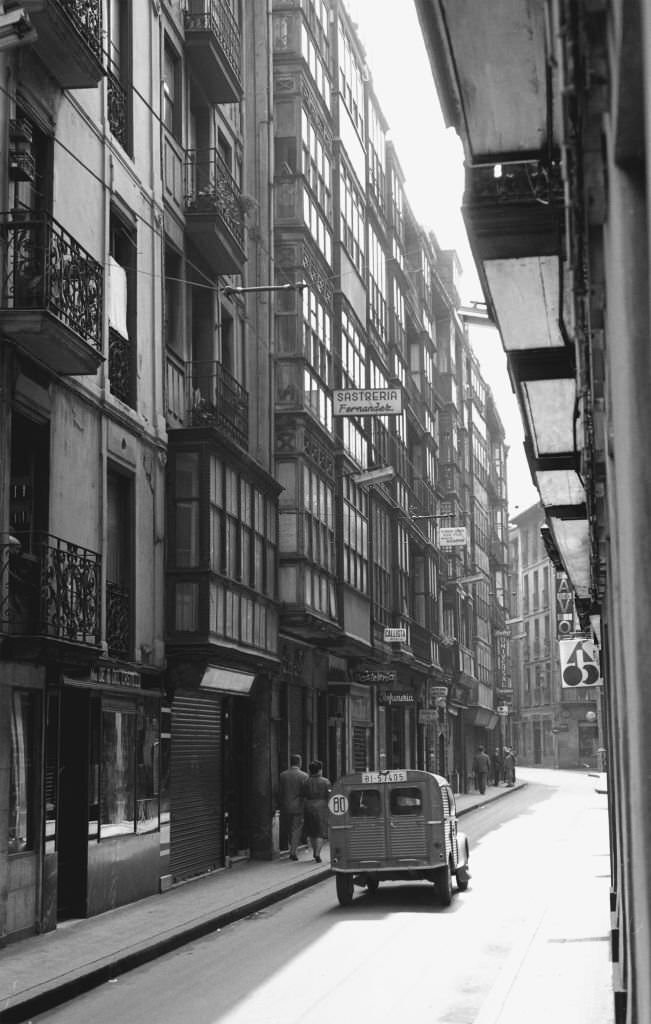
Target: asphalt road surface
525 943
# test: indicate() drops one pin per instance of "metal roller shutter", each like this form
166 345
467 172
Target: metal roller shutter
197 813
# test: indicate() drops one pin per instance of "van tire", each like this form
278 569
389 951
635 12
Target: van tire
372 886
345 888
444 886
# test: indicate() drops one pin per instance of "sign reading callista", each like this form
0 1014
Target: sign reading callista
366 402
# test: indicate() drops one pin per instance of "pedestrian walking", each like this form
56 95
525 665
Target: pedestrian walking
509 767
316 791
497 766
290 794
481 767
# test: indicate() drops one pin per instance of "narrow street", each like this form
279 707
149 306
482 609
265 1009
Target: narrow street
527 942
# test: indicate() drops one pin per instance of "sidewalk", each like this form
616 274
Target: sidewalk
46 970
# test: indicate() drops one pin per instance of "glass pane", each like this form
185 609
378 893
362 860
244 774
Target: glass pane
22 771
117 803
148 769
406 801
187 475
187 533
364 803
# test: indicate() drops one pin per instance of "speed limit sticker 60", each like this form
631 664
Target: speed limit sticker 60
338 803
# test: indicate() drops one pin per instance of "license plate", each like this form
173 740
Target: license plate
383 777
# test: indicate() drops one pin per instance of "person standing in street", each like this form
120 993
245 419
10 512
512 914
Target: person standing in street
497 766
481 767
290 796
509 767
316 791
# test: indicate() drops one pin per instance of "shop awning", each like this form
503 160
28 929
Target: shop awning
227 680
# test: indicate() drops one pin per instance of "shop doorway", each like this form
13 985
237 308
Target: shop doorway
237 745
72 827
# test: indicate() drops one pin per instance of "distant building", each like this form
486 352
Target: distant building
553 726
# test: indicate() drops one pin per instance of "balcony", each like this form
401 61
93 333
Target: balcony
213 208
212 42
205 394
52 302
49 588
69 40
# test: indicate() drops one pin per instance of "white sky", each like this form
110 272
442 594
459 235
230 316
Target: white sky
431 157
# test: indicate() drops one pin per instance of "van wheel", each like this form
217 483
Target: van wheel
345 888
444 886
372 886
462 879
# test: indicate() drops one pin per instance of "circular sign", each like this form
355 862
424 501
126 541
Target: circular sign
338 804
565 627
590 716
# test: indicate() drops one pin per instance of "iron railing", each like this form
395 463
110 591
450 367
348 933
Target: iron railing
118 620
217 399
118 109
211 188
120 367
46 269
86 16
49 587
215 17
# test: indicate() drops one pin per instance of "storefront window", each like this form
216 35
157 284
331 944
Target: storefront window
147 770
117 805
22 771
124 783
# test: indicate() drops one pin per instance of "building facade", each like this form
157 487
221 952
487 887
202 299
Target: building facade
252 483
553 726
554 122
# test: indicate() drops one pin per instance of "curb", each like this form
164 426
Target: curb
123 963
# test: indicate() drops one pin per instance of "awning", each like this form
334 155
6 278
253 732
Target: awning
481 718
227 680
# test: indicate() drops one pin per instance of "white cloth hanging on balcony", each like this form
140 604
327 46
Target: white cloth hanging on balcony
117 297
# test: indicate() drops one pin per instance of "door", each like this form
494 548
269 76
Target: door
406 822
72 870
236 775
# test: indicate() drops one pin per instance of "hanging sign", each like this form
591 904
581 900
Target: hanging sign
395 635
453 536
564 606
366 402
579 663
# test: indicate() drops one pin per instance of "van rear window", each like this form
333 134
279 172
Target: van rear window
406 801
364 803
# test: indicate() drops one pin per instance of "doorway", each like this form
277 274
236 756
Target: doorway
72 870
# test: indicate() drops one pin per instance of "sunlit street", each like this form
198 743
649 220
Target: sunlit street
534 912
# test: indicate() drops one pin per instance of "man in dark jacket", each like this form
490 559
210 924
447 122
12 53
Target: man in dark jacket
290 795
481 767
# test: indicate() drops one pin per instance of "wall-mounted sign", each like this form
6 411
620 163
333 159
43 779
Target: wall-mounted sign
439 691
427 715
395 635
366 402
453 536
388 697
376 676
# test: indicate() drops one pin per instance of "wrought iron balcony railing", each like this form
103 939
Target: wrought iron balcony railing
68 39
214 17
46 269
120 367
118 620
118 109
49 587
210 188
217 399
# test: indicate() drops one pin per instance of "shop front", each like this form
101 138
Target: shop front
102 792
210 772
